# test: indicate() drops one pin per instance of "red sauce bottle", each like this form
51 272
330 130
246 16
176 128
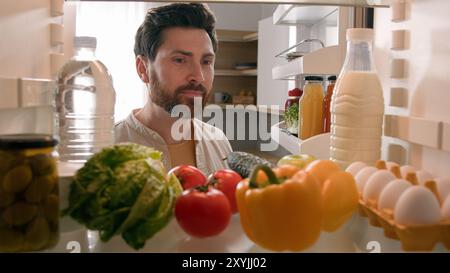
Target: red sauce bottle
326 104
293 97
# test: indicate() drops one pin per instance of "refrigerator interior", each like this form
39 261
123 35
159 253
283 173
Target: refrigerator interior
412 55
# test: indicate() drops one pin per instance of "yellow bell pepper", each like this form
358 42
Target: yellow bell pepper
282 213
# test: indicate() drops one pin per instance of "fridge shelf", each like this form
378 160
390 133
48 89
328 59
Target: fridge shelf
419 130
308 15
324 61
317 146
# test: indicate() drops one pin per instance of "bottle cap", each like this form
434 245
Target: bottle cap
362 34
27 141
313 78
296 92
332 78
85 41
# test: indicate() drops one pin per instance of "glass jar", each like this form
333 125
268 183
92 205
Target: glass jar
29 196
291 110
310 108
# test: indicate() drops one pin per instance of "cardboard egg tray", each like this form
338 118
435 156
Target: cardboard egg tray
412 238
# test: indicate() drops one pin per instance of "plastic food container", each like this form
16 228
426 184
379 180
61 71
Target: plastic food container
29 197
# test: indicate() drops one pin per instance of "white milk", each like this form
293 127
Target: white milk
357 111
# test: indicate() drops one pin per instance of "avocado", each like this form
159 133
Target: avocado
243 163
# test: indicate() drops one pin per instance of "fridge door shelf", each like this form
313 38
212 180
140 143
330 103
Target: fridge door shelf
317 146
324 61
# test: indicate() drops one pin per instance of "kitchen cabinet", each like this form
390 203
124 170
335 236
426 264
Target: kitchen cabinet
235 66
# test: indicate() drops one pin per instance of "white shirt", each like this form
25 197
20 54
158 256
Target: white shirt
211 145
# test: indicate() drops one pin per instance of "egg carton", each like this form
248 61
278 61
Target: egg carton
412 238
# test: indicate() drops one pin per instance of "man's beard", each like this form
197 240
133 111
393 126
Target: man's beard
168 100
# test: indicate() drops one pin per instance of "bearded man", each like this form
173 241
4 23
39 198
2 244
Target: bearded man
175 52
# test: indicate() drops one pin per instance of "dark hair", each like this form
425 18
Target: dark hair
149 35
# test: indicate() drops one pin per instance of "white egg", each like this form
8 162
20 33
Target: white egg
355 167
362 176
445 212
443 187
376 183
417 206
390 194
423 176
405 169
390 164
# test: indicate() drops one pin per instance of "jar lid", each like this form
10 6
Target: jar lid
313 78
27 141
296 92
332 78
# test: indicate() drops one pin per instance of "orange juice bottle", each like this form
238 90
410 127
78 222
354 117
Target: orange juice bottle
310 108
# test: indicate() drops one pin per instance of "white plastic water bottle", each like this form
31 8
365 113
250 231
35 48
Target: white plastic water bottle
357 105
84 102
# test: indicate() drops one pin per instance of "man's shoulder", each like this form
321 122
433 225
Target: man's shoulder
120 124
121 131
126 129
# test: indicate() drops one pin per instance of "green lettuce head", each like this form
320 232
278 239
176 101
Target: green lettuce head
124 190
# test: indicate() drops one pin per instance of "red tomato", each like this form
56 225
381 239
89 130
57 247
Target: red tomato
202 214
226 181
189 176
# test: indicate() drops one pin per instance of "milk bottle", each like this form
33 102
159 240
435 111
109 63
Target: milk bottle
357 104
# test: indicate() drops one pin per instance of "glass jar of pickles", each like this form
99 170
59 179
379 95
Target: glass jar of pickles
29 198
291 110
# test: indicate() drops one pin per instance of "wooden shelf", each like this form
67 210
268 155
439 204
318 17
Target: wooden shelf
234 72
236 60
258 108
236 36
224 105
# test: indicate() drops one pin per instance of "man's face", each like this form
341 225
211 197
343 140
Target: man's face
183 68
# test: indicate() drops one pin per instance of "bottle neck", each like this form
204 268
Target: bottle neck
359 57
85 53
